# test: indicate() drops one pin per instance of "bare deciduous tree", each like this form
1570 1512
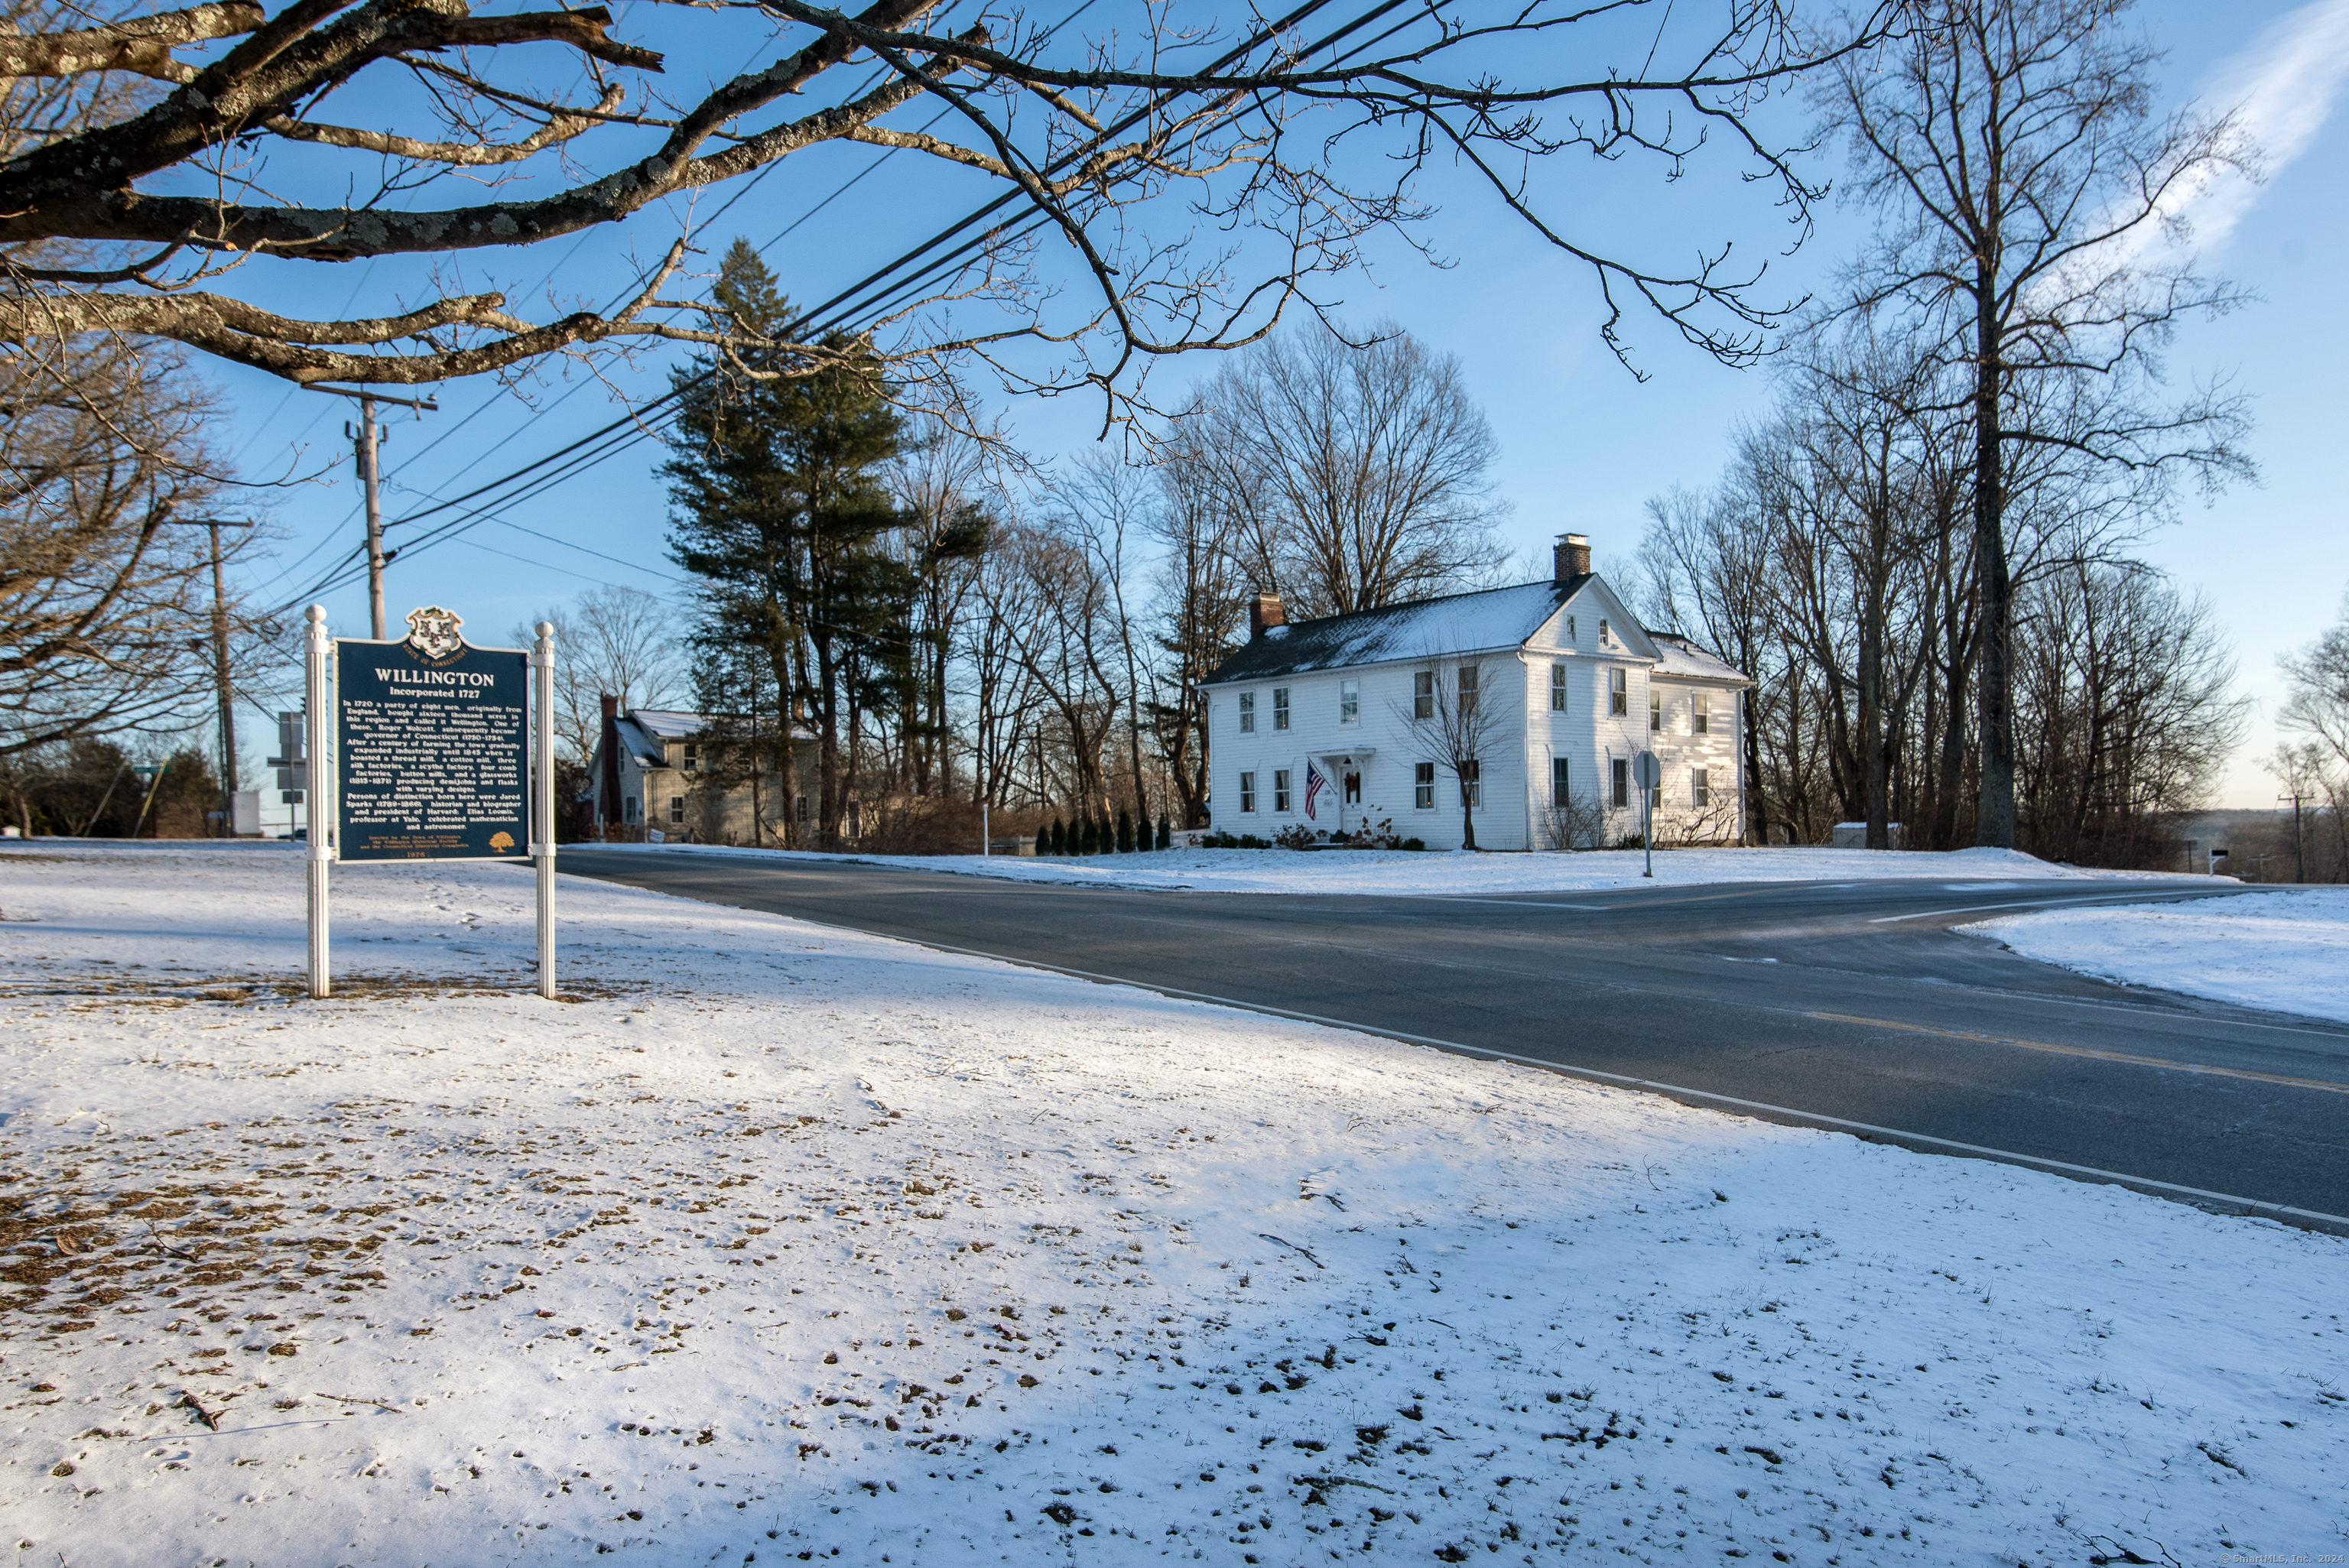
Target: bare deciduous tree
122 223
2315 713
1202 595
1352 475
1453 724
612 639
2028 199
105 602
2126 715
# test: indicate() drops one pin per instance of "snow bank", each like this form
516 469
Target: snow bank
1401 872
784 1244
2285 949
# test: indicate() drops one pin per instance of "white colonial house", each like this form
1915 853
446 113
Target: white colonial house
1332 725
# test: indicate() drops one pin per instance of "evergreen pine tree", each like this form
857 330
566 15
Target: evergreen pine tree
1166 832
1124 831
779 508
1056 842
1089 839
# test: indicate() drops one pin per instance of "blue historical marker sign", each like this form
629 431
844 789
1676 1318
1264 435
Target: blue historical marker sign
432 747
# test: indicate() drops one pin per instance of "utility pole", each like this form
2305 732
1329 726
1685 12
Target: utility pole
220 670
367 444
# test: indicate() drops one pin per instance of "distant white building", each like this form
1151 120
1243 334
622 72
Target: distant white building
654 771
1330 724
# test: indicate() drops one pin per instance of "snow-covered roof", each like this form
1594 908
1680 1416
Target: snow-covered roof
644 732
1683 660
668 725
638 741
1456 624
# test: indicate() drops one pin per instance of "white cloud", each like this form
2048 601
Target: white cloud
2282 87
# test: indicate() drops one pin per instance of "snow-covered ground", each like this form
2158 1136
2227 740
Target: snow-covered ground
1405 872
2285 949
782 1244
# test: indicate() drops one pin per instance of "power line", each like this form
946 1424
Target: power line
636 425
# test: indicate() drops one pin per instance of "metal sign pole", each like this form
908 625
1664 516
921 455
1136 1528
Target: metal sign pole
542 664
1647 771
319 793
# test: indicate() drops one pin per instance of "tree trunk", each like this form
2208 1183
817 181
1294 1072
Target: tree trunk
1757 799
1994 683
1873 762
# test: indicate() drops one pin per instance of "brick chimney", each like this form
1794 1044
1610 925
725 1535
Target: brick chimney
1264 610
611 749
1571 557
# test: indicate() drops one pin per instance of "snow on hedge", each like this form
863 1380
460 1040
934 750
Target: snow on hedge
783 1244
1453 871
2284 949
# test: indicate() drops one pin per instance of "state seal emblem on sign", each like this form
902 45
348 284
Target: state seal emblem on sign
432 633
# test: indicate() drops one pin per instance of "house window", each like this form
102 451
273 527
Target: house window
1570 629
677 807
799 809
1699 714
1700 790
1423 786
1422 693
1618 780
1248 791
1468 689
1350 702
1472 784
1280 708
1280 789
1618 693
1561 784
1557 688
629 808
1655 710
692 757
1603 633
1248 713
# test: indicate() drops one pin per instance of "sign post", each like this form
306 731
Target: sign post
319 788
1648 772
542 847
421 749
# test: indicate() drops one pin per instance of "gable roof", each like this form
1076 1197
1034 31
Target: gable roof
1423 628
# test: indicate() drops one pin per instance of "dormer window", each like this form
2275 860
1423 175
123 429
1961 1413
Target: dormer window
692 757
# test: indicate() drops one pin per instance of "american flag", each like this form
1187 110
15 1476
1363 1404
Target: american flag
1314 784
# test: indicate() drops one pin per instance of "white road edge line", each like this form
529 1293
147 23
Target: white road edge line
1566 1069
2125 898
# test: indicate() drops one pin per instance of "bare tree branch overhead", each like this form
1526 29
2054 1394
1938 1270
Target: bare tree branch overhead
1175 180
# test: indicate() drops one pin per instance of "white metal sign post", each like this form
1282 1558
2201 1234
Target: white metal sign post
318 787
425 748
542 847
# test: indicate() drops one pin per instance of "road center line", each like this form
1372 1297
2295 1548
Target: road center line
2101 1055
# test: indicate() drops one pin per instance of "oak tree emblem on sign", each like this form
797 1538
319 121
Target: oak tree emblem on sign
432 633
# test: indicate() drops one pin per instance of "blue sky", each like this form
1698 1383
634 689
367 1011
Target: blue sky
1584 444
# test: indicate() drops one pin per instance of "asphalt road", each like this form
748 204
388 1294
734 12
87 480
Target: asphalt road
1844 1004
